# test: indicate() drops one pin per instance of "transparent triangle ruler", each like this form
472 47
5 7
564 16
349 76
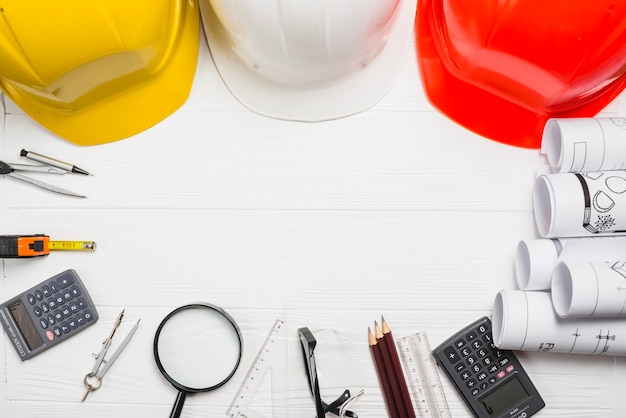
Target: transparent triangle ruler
423 376
264 391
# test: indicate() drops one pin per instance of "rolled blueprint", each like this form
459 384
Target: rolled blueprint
535 259
580 204
526 321
585 144
586 289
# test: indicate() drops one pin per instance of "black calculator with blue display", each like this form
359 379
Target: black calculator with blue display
491 381
48 314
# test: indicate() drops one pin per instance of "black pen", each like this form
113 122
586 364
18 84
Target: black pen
53 162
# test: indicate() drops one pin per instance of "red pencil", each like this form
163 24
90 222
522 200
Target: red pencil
382 375
391 373
395 363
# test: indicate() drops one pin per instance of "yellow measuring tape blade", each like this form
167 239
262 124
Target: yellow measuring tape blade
72 245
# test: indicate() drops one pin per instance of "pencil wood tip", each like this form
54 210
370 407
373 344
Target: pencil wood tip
385 326
377 330
370 337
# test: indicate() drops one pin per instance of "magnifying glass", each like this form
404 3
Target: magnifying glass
197 348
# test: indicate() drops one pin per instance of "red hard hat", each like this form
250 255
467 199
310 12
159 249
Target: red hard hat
501 68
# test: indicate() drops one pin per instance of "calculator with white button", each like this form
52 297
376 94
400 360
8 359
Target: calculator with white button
48 314
491 381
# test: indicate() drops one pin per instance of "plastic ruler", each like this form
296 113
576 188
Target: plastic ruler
423 376
265 389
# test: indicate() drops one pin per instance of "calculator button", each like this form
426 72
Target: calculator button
501 374
81 303
482 352
66 312
45 308
487 338
493 368
504 361
65 327
476 344
51 319
465 375
59 298
50 335
45 290
37 311
482 329
459 344
471 383
88 315
75 291
510 368
475 392
43 322
65 281
487 361
80 319
471 360
451 355
52 304
471 336
466 352
57 331
459 367
38 295
31 299
53 287
67 296
58 315
476 367
73 307
72 323
482 376
484 385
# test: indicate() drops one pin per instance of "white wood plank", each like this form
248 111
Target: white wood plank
396 161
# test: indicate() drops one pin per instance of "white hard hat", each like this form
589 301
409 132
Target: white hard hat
308 60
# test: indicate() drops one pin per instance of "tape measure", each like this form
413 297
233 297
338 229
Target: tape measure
264 391
25 246
423 376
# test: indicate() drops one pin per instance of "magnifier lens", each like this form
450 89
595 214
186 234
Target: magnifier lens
198 348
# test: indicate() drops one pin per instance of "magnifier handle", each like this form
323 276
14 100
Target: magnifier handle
178 405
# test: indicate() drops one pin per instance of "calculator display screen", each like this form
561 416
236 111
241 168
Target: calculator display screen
505 397
24 323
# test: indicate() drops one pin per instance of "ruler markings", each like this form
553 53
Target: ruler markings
423 376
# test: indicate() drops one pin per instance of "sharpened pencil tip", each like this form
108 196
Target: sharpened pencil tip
385 326
370 337
377 330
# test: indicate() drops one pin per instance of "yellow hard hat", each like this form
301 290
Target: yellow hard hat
101 70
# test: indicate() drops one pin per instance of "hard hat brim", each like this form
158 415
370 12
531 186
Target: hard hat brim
130 111
481 111
340 97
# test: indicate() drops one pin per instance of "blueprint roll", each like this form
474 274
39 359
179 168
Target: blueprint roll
526 321
589 289
585 144
580 204
536 259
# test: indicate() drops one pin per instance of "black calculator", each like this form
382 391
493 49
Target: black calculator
491 381
47 314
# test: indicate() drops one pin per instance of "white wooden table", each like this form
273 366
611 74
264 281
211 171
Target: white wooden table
396 211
